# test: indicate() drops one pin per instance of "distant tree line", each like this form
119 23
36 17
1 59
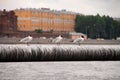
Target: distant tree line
97 26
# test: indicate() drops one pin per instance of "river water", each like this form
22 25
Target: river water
63 70
54 52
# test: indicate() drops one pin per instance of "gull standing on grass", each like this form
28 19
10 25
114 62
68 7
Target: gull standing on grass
26 40
79 40
57 39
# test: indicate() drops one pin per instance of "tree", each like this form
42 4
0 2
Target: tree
38 30
97 26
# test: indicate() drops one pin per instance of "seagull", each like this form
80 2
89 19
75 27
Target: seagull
26 39
57 39
79 40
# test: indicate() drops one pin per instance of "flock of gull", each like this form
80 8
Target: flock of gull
55 40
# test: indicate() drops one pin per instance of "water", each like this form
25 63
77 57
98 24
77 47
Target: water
35 52
81 70
60 70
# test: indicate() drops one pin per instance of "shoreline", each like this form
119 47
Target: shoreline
64 41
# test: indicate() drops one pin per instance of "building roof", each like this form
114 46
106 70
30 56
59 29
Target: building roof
74 33
63 11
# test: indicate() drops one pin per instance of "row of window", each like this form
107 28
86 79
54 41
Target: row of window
37 27
47 20
50 28
45 15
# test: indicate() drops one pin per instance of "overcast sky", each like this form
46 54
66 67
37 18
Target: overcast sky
87 7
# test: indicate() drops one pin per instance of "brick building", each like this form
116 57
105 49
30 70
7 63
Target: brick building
30 19
24 22
8 22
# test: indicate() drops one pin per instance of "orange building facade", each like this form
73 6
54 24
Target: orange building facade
45 19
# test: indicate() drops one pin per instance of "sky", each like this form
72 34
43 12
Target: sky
86 7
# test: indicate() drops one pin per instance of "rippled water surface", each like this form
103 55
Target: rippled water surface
54 52
80 70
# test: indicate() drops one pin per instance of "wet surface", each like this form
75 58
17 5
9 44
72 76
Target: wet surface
80 70
36 52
